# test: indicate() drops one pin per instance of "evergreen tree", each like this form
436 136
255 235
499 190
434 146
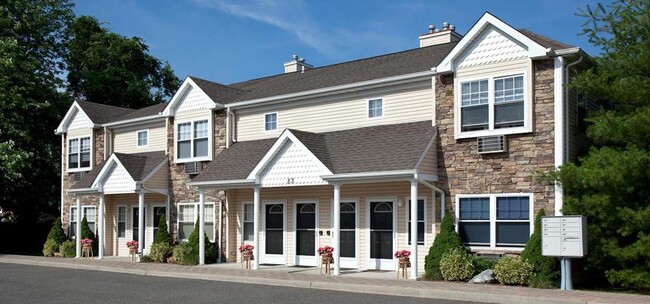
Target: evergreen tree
86 233
57 233
544 268
162 235
446 240
210 249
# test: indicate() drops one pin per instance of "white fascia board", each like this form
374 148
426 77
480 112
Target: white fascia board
72 111
110 163
169 109
134 121
334 89
83 191
371 176
225 184
534 49
569 51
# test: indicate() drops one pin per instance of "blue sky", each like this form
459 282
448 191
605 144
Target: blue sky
229 40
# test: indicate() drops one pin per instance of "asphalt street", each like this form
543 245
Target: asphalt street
36 284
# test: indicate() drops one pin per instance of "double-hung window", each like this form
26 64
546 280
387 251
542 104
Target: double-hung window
89 212
188 215
143 138
192 139
501 220
375 108
121 222
248 222
79 153
270 121
421 226
492 103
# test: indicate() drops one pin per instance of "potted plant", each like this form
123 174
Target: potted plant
404 257
326 253
86 246
133 246
246 251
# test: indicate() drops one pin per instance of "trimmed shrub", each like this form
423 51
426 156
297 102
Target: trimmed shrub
446 240
544 268
160 251
86 233
50 247
162 235
456 265
68 249
481 264
513 271
210 249
182 253
55 238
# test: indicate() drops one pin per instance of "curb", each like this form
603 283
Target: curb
429 293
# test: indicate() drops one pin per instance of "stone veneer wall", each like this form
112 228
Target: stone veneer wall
464 171
178 179
68 178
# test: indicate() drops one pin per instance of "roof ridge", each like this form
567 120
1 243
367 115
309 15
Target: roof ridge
216 83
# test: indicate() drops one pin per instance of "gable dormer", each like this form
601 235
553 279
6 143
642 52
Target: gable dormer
78 146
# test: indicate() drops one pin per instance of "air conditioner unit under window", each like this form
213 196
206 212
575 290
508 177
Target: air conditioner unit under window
78 176
192 168
492 144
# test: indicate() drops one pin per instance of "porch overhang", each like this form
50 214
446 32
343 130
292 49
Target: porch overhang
83 191
225 184
377 176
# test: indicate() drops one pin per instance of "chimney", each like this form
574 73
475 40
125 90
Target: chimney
439 36
296 64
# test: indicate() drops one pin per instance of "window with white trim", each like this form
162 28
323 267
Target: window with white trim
188 215
270 121
492 103
248 223
121 222
192 139
502 220
421 225
89 212
375 108
79 153
143 138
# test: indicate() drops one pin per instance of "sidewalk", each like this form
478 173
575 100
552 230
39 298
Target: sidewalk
360 282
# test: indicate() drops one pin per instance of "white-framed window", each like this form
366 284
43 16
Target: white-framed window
90 212
270 121
375 108
143 138
421 220
493 105
495 220
121 222
192 140
79 154
247 226
188 215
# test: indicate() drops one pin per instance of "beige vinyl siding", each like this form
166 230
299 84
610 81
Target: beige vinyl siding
80 121
324 196
77 133
401 103
516 66
125 139
428 164
160 180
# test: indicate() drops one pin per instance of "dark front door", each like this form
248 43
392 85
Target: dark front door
306 229
348 230
136 225
157 213
274 229
381 230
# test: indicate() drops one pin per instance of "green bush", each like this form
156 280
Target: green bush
182 254
481 264
50 247
86 233
210 249
159 252
538 280
446 240
162 235
146 259
513 271
456 265
68 249
55 238
544 268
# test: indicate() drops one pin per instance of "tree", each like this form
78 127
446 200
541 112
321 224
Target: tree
544 268
445 241
86 233
56 233
162 235
210 250
109 68
610 185
32 42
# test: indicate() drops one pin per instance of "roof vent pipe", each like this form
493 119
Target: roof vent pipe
440 36
297 64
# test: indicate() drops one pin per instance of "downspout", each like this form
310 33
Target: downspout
442 196
566 106
219 232
62 173
228 136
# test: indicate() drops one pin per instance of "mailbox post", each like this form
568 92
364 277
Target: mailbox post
564 237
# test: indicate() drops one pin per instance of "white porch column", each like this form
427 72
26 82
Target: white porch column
100 220
201 227
141 223
414 229
256 227
336 240
77 233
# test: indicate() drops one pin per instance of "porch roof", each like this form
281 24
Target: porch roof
138 165
370 149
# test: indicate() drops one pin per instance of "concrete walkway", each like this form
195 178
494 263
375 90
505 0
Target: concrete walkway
353 281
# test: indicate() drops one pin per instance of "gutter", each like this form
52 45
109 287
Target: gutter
225 184
364 176
328 90
134 120
84 191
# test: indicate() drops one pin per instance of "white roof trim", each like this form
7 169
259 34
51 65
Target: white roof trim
225 184
72 111
534 49
154 171
371 176
108 167
134 121
279 143
170 109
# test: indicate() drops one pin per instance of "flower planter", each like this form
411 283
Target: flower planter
326 261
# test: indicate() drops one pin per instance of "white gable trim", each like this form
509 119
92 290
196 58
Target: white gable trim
279 143
111 163
69 116
534 49
172 106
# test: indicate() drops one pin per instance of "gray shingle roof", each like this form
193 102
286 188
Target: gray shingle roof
218 92
138 165
377 148
545 41
101 113
144 112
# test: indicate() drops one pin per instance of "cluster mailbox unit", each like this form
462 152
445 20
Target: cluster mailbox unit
564 237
